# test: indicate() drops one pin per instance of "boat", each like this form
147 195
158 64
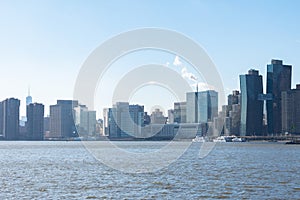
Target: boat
236 139
294 141
231 138
199 139
220 139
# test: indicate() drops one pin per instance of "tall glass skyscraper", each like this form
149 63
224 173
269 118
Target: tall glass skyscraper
251 107
28 98
278 80
201 107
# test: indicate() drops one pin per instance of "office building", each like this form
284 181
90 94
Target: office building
291 111
170 116
278 80
28 98
61 119
180 112
35 121
105 121
201 107
9 119
125 120
47 124
234 113
157 117
251 107
85 121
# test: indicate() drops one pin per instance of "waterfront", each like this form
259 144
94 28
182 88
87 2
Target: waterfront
66 170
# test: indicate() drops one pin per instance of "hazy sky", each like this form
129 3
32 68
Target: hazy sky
44 43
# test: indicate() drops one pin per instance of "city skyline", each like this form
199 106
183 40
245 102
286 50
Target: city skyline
46 51
243 114
29 99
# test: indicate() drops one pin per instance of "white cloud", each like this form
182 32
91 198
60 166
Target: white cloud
203 86
188 75
177 61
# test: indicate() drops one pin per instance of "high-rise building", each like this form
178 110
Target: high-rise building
85 121
61 119
125 120
234 112
201 107
46 126
157 117
171 116
28 98
234 98
35 121
105 121
251 107
180 112
278 80
9 119
291 111
235 116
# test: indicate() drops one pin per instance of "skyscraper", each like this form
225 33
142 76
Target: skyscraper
9 119
85 121
251 107
291 111
180 112
125 120
278 80
61 119
234 112
35 121
28 98
201 107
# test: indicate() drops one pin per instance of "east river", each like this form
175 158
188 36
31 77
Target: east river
68 170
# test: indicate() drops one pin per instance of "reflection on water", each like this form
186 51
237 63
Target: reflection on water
36 170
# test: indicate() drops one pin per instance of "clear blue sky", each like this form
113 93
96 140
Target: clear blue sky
44 43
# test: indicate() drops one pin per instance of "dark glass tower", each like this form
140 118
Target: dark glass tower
35 121
251 108
278 80
10 111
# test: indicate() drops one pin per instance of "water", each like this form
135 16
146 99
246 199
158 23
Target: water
66 170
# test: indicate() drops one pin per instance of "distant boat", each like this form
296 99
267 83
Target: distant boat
199 139
294 141
236 139
232 138
220 139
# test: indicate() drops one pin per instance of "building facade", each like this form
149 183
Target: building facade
201 107
278 80
180 112
125 120
290 106
61 119
157 117
9 119
251 107
35 121
85 121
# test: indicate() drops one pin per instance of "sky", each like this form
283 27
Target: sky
43 44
